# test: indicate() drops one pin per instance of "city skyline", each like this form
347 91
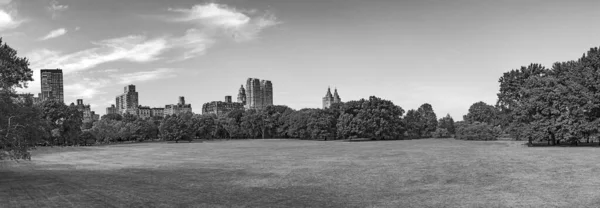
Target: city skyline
446 53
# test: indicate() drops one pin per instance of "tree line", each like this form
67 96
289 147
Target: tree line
539 104
372 118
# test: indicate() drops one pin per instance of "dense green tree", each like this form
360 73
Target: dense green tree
65 121
375 118
481 112
429 120
113 116
447 123
17 120
476 131
177 127
414 124
321 125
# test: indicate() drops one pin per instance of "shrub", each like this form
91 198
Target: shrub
476 131
441 133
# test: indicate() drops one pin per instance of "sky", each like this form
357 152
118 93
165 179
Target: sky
448 53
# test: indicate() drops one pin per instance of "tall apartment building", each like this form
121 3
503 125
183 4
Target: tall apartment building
128 101
242 96
331 99
259 94
52 85
178 108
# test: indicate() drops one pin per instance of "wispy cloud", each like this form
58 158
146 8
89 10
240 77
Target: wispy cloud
129 48
7 21
86 88
143 76
213 14
55 8
195 42
4 2
214 21
220 18
54 34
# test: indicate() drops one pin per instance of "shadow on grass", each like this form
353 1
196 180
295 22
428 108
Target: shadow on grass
581 144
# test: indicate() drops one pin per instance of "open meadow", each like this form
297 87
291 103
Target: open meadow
296 173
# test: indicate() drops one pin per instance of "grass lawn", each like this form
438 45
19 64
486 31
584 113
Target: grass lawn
294 173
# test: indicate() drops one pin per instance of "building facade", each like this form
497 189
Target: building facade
259 94
220 107
144 112
128 101
330 99
160 112
242 95
179 108
112 110
52 85
88 114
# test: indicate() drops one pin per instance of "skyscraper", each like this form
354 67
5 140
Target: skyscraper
52 85
128 101
259 94
331 99
266 88
242 96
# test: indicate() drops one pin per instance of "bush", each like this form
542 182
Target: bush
476 131
441 133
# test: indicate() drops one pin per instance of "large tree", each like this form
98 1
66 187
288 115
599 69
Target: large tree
447 123
429 120
414 124
15 118
481 112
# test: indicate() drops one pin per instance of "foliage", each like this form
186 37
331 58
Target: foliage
177 127
429 120
112 116
65 121
19 122
442 133
476 131
374 118
414 124
560 103
481 112
447 123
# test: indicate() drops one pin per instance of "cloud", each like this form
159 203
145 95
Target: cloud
56 8
219 18
86 88
7 21
195 42
130 48
213 14
4 2
144 76
54 34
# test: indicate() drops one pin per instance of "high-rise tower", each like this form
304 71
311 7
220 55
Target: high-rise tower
128 101
266 88
259 94
336 97
329 99
52 85
242 96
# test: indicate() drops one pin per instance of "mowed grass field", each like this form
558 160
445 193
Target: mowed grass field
295 173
